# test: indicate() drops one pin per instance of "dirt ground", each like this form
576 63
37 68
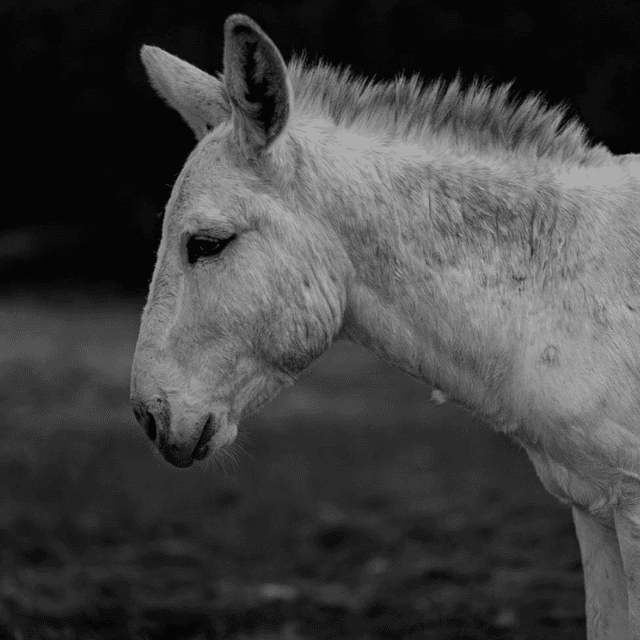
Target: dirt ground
353 507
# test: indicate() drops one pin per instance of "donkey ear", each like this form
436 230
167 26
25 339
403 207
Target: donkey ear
257 83
198 97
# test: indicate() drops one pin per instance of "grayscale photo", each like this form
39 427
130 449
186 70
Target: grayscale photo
320 321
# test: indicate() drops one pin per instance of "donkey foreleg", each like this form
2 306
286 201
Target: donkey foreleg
604 580
627 521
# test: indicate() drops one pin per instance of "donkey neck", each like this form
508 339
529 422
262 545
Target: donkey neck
441 248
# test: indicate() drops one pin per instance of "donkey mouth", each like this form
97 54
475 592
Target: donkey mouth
203 445
180 456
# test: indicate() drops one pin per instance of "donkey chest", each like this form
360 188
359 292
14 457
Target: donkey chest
571 486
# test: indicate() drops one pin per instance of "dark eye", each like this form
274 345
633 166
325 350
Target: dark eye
205 247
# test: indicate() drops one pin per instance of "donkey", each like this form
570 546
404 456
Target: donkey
486 247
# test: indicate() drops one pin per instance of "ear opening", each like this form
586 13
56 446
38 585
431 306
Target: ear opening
257 82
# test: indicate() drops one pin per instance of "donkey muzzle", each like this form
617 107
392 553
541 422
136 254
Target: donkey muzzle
180 447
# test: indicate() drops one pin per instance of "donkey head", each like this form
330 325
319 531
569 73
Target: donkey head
249 285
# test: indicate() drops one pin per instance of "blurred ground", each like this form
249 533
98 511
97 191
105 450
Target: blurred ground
353 508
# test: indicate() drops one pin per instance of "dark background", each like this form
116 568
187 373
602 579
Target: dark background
90 151
352 507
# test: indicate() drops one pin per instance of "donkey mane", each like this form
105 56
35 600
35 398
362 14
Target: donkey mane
480 118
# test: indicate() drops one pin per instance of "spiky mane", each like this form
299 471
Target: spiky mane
481 117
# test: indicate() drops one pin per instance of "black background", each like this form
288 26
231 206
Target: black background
90 152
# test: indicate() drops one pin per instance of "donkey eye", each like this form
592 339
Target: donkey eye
205 247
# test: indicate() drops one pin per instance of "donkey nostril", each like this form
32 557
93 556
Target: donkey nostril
150 427
148 422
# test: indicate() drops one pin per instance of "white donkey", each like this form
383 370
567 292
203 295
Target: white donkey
482 246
